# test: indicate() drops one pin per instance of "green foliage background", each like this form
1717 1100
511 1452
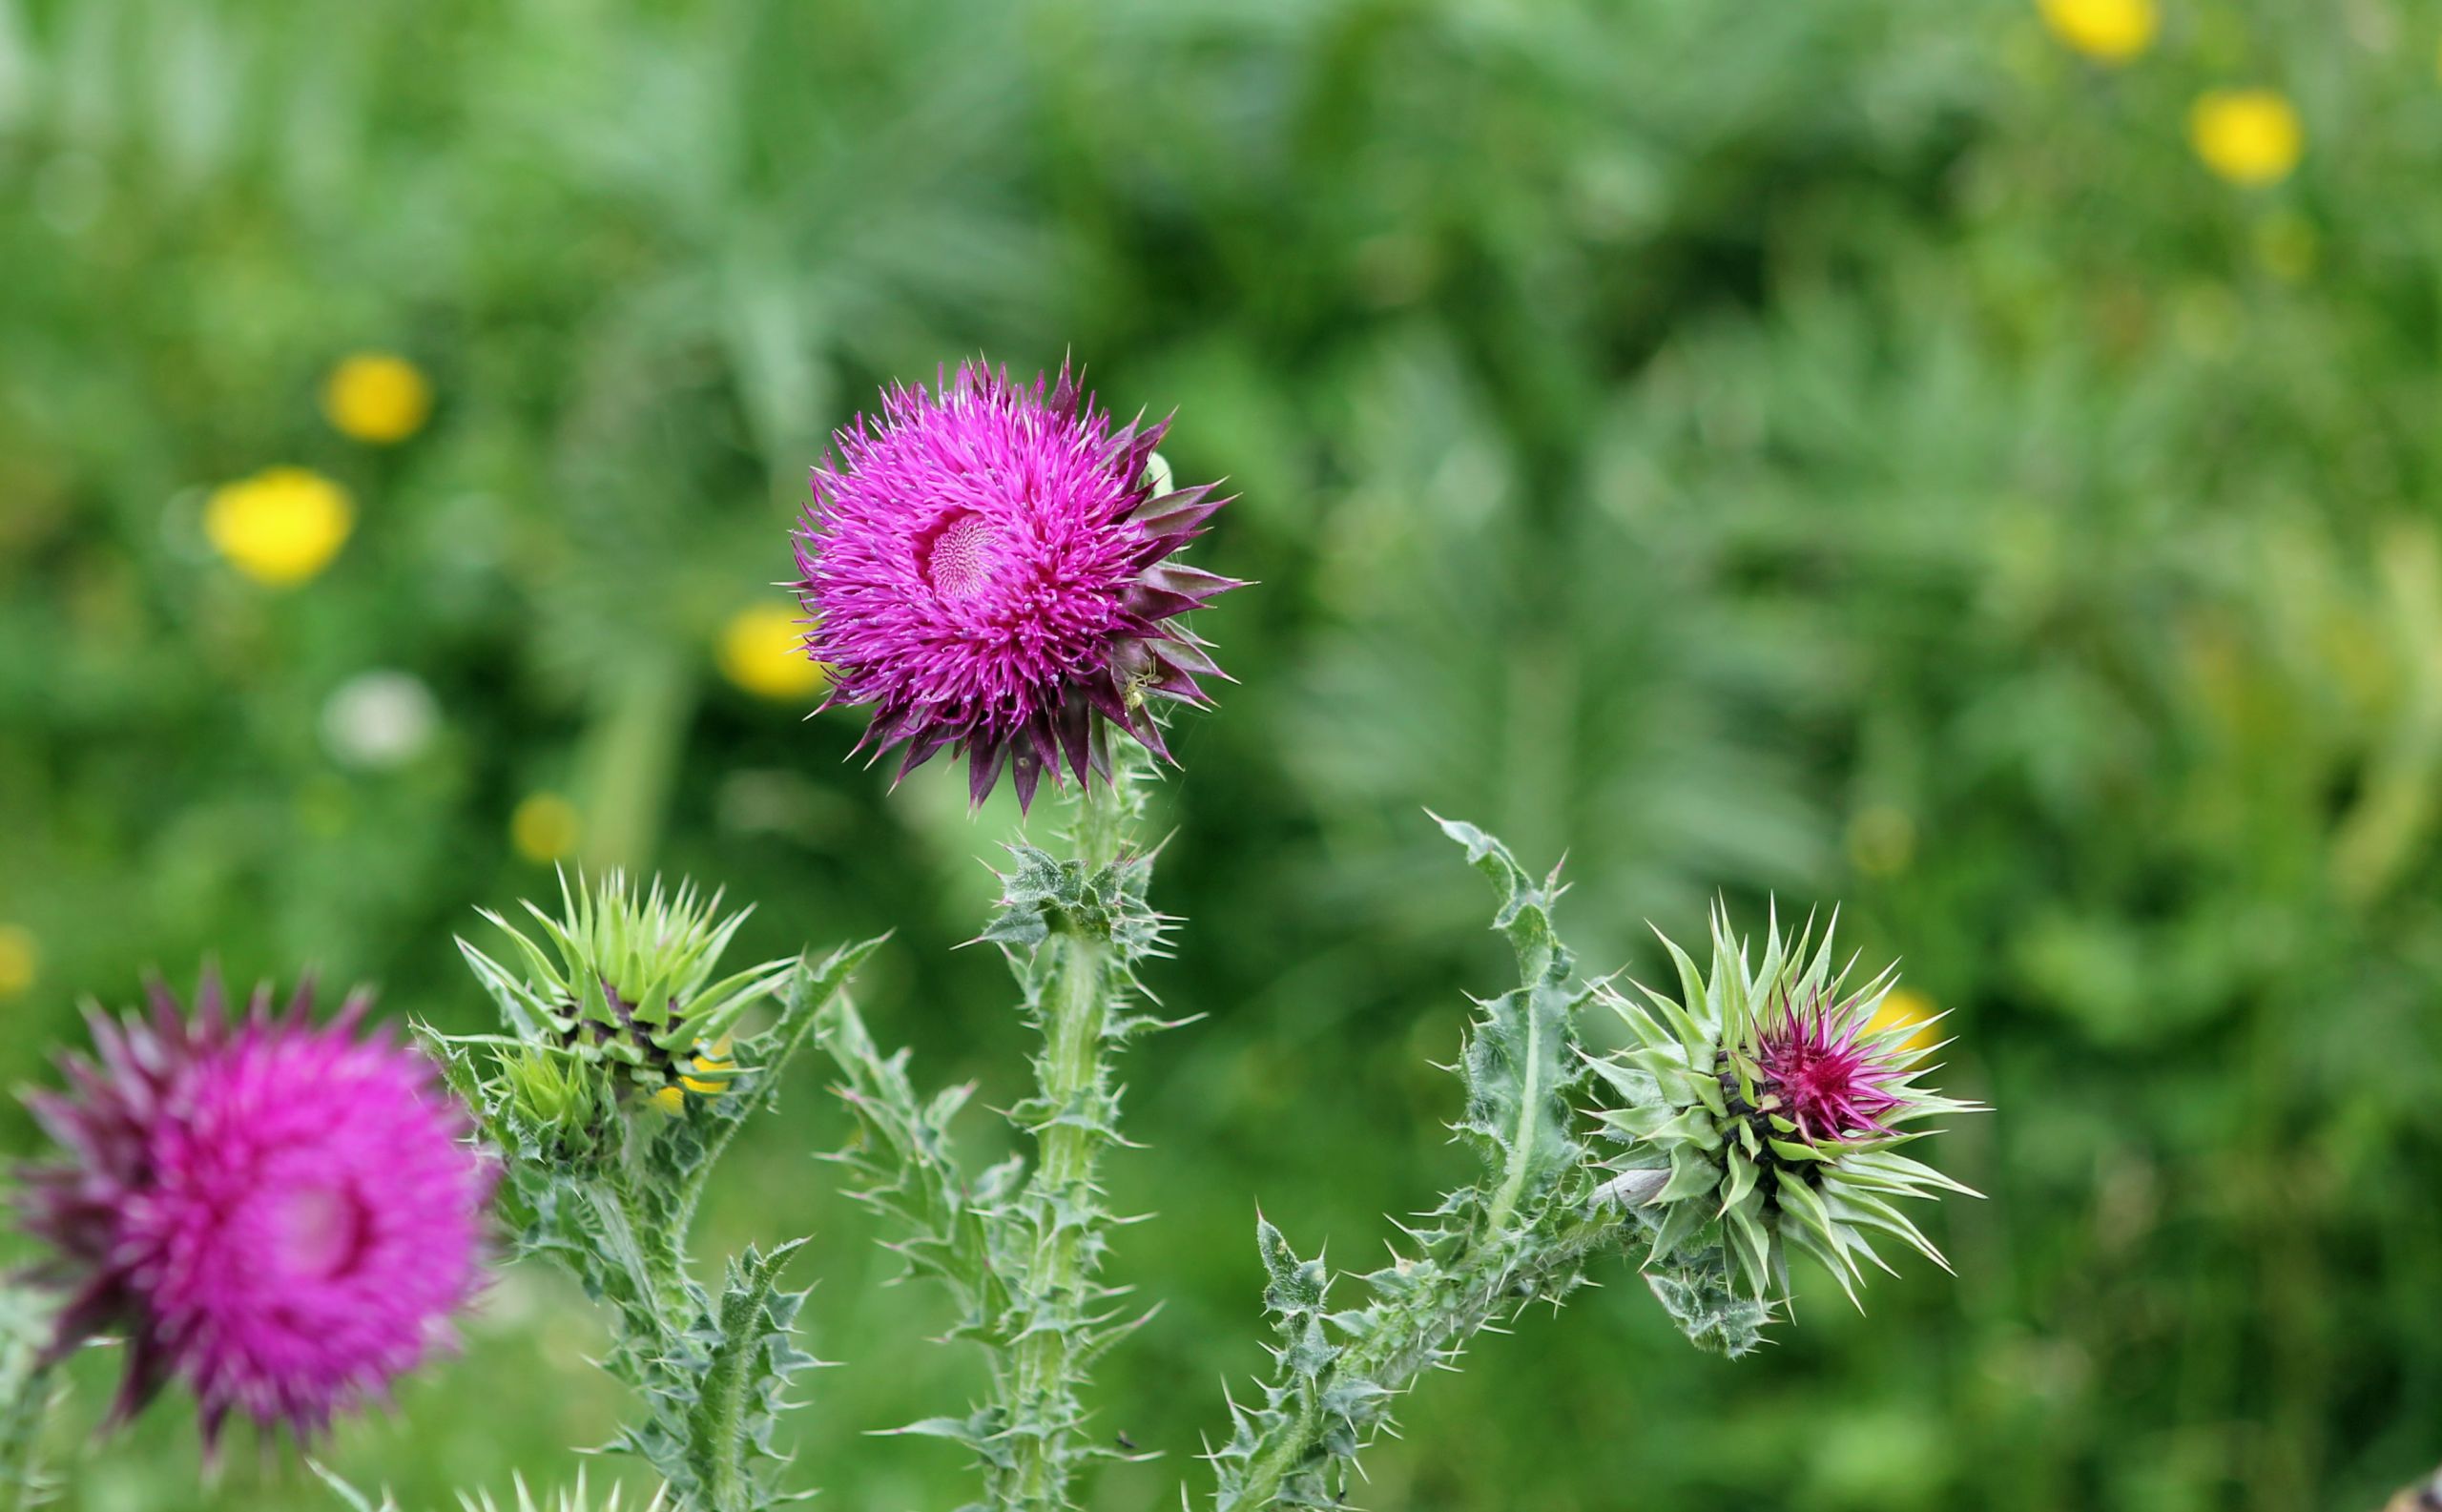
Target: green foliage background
1839 449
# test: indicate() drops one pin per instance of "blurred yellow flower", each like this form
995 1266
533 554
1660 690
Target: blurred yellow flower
762 650
282 526
2288 245
714 1057
2106 31
1882 840
2248 137
1906 1005
377 396
20 960
545 827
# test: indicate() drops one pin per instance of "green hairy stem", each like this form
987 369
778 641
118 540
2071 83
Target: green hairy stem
1040 1402
1042 1388
1021 1250
1301 1458
1072 930
1519 1234
27 1391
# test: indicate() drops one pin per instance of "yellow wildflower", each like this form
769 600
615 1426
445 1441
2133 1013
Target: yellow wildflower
282 526
1905 1006
714 1057
2248 137
2106 31
545 827
377 396
20 960
1882 840
2287 246
762 650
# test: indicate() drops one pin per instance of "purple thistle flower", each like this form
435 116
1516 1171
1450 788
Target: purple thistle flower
283 1216
990 568
1833 1083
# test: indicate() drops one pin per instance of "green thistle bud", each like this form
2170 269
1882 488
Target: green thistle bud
574 1499
1761 1111
625 990
563 1100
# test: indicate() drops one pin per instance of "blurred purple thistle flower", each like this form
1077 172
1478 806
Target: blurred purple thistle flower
281 1216
990 568
1832 1084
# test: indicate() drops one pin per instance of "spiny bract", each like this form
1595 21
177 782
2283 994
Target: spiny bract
626 985
281 1216
1767 1110
575 1499
990 568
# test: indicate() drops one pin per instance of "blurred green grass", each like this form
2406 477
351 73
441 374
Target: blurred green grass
1842 449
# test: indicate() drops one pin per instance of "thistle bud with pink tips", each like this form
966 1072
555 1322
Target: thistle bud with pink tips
1762 1113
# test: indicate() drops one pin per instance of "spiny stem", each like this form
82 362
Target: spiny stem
1416 1333
26 1395
1068 1176
656 1270
718 1422
1075 1004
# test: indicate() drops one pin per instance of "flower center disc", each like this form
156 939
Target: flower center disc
957 557
322 1231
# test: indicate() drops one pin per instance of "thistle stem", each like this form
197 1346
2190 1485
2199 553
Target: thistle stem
713 1430
1414 1336
1042 1411
26 1395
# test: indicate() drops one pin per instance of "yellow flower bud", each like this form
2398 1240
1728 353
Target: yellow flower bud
279 527
1882 840
2107 31
2248 137
20 960
762 650
376 396
545 827
1904 1006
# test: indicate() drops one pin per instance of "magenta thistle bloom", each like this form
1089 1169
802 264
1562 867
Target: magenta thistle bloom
991 567
1831 1081
282 1216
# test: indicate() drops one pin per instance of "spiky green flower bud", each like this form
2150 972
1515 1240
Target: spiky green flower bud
563 1099
625 990
576 1498
1762 1111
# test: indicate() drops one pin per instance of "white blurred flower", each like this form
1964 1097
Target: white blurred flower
379 719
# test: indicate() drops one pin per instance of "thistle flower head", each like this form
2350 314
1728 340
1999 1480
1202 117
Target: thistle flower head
991 567
626 988
1813 1062
1762 1110
283 1216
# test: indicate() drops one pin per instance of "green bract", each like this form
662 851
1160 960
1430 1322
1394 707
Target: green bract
575 1499
1762 1110
626 985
